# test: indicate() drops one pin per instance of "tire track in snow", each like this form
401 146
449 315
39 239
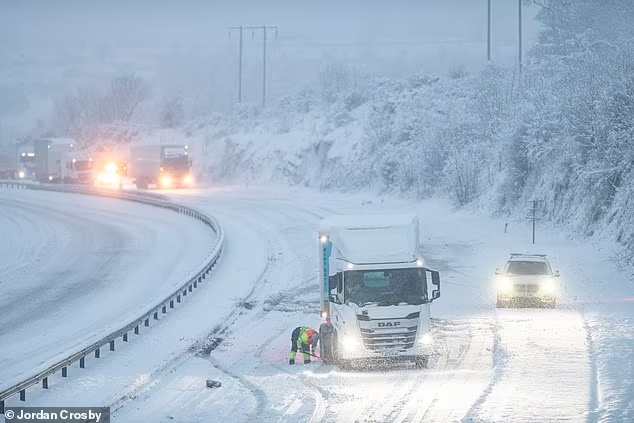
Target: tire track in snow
542 362
173 364
414 403
274 245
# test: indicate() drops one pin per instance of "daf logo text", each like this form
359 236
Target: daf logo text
387 324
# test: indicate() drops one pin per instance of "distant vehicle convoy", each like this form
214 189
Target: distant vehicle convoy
527 279
57 160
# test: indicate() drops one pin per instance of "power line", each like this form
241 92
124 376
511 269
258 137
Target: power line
264 29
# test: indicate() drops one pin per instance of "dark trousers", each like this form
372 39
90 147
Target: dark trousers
294 337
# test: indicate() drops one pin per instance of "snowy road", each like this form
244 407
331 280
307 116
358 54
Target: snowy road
73 267
568 364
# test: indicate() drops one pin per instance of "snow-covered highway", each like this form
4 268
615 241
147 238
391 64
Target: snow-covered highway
568 364
74 267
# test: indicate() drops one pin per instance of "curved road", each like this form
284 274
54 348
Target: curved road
73 266
490 365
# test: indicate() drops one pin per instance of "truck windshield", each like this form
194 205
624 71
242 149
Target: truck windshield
528 268
385 287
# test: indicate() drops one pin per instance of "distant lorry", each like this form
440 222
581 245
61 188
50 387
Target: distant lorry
9 161
77 168
165 166
49 158
26 161
375 290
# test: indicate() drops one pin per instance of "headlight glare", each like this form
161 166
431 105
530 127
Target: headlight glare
426 339
504 285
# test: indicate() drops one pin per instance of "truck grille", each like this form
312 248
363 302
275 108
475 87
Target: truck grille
532 288
382 335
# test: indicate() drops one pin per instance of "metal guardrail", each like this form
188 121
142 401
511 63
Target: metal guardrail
143 318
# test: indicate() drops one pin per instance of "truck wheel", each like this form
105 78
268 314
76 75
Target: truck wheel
421 362
325 342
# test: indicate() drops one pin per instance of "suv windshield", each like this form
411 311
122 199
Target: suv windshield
528 268
386 287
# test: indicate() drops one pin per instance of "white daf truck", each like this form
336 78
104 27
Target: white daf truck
375 290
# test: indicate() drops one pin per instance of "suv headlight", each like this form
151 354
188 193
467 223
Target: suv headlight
504 285
548 286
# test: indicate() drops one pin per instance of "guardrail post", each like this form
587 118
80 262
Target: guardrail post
164 310
185 292
196 283
147 322
23 395
98 353
64 371
112 345
156 315
136 330
204 275
171 303
82 363
191 288
178 298
125 337
45 383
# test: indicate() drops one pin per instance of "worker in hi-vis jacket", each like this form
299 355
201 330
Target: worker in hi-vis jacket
305 340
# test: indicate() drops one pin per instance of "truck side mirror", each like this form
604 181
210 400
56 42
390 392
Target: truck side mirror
497 271
435 280
333 299
556 273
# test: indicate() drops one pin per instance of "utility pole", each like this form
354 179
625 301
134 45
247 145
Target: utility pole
265 30
240 30
533 215
519 5
489 31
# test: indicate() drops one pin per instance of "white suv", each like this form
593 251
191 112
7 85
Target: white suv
527 278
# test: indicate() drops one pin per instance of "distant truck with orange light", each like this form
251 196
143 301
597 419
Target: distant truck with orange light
164 166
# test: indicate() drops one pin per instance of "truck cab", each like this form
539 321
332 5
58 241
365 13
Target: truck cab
376 290
77 168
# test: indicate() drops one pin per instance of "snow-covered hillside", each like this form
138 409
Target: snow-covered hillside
560 132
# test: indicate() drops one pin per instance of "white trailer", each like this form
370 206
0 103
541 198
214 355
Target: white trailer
375 290
49 155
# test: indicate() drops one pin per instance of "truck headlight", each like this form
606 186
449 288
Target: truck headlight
425 339
350 344
187 180
548 286
166 181
21 174
504 285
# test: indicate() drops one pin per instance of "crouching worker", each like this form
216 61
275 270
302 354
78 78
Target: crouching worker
305 340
